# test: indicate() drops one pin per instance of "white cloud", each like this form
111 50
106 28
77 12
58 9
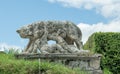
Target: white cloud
6 46
88 29
107 8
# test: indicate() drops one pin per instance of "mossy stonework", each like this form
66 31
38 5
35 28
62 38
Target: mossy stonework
65 34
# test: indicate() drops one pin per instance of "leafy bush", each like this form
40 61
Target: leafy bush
106 71
108 44
9 65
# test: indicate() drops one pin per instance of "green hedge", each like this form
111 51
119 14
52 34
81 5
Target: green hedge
108 44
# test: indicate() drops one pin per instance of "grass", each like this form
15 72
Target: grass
10 65
106 71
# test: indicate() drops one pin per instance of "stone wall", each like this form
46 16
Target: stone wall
89 63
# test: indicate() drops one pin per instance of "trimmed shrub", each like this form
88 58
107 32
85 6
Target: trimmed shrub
108 44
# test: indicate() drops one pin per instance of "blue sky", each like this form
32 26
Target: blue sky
87 15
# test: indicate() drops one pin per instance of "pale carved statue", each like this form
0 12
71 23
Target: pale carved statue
66 34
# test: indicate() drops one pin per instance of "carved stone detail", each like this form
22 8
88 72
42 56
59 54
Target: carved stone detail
65 33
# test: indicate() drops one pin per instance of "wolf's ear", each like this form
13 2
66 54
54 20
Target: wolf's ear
30 27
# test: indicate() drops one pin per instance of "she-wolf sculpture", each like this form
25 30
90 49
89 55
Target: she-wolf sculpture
65 33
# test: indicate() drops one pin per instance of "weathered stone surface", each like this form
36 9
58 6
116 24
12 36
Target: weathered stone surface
65 33
67 50
85 63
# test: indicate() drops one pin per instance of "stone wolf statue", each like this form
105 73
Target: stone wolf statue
63 32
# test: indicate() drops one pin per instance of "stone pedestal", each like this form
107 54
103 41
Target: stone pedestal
90 63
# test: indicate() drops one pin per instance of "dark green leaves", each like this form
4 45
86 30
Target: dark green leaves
108 44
